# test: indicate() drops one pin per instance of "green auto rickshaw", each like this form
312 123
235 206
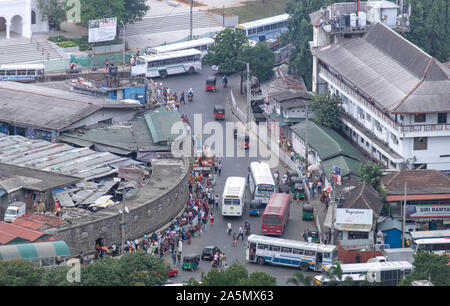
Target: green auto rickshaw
313 234
308 212
298 191
190 262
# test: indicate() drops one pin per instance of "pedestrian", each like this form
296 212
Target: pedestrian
234 239
174 257
277 179
215 166
309 239
182 98
241 232
179 259
106 64
219 167
224 260
292 155
325 238
180 246
216 201
211 217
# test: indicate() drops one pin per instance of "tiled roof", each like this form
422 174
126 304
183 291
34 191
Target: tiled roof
49 220
28 223
363 196
6 238
21 232
418 182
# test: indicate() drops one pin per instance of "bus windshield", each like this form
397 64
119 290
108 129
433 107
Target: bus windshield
232 201
272 220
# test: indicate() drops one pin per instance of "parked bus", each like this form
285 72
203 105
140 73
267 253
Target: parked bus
388 273
276 214
433 245
430 234
233 198
201 44
21 72
261 182
262 29
164 64
292 253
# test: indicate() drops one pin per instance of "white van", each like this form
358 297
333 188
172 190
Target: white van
14 211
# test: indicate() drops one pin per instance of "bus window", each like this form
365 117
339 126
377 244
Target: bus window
40 72
298 251
310 253
31 72
10 72
267 28
273 26
260 29
275 248
21 72
326 255
271 220
263 247
2 72
286 250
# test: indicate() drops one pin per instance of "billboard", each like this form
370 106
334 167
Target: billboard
427 211
102 29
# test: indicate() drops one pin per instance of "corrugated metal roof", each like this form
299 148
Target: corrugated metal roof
21 232
49 220
34 250
160 124
348 166
28 223
396 74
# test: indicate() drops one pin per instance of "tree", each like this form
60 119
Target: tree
56 276
135 10
143 268
429 266
430 27
54 11
19 272
300 278
105 272
235 275
335 274
371 173
328 110
126 11
261 60
227 51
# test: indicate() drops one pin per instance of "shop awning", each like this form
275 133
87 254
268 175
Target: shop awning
34 250
417 197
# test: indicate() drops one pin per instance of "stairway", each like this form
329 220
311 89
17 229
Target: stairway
170 23
22 50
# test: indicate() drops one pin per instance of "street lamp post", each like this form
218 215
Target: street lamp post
247 65
124 45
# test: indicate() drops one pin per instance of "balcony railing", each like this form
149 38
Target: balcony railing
426 128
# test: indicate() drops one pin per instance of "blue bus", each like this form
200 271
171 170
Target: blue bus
21 72
262 29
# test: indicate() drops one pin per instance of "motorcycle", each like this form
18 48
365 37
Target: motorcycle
214 264
247 229
190 97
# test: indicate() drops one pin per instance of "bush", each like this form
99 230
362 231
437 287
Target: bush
67 44
57 39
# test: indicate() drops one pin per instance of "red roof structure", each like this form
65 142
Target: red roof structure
29 223
52 221
21 232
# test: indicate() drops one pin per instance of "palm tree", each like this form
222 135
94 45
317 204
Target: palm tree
300 278
335 274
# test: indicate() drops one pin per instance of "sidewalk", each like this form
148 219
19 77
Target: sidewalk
319 207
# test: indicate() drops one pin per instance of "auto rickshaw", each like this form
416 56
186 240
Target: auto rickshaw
190 262
219 112
211 83
255 206
308 212
283 188
246 143
296 184
313 234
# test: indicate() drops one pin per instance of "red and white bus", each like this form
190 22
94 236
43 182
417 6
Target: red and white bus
276 214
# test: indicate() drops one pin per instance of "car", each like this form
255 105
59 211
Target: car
209 251
172 273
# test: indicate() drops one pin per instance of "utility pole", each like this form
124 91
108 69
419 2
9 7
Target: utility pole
332 211
403 218
306 139
124 45
248 93
190 36
223 16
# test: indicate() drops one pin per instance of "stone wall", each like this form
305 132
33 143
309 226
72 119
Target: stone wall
143 217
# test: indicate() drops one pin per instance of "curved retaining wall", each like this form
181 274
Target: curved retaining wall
158 202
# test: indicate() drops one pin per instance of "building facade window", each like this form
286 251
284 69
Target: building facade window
420 143
420 118
442 118
33 17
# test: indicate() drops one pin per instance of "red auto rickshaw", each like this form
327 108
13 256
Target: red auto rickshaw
211 83
246 143
219 112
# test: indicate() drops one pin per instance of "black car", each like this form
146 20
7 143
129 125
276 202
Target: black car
209 251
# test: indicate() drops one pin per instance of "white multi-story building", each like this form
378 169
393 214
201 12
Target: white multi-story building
396 97
20 18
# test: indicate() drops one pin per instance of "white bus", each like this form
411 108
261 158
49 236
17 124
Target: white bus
201 44
21 72
293 253
262 29
430 234
388 273
233 198
433 245
165 64
261 182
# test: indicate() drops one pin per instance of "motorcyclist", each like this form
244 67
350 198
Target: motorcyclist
229 228
190 94
225 81
247 227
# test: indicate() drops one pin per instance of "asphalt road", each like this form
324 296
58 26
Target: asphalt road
232 166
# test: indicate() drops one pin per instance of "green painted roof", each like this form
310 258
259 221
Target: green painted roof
160 124
327 142
34 250
348 165
284 121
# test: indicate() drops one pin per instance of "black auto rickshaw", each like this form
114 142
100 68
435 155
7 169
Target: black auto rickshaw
296 184
219 112
211 83
283 188
307 212
190 262
313 234
255 206
235 132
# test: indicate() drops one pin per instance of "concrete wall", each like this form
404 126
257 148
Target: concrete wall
227 21
144 217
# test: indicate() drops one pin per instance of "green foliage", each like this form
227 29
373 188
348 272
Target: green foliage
328 110
261 60
235 275
19 272
66 44
135 10
430 27
142 268
428 266
371 173
58 38
300 278
227 51
54 11
56 276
